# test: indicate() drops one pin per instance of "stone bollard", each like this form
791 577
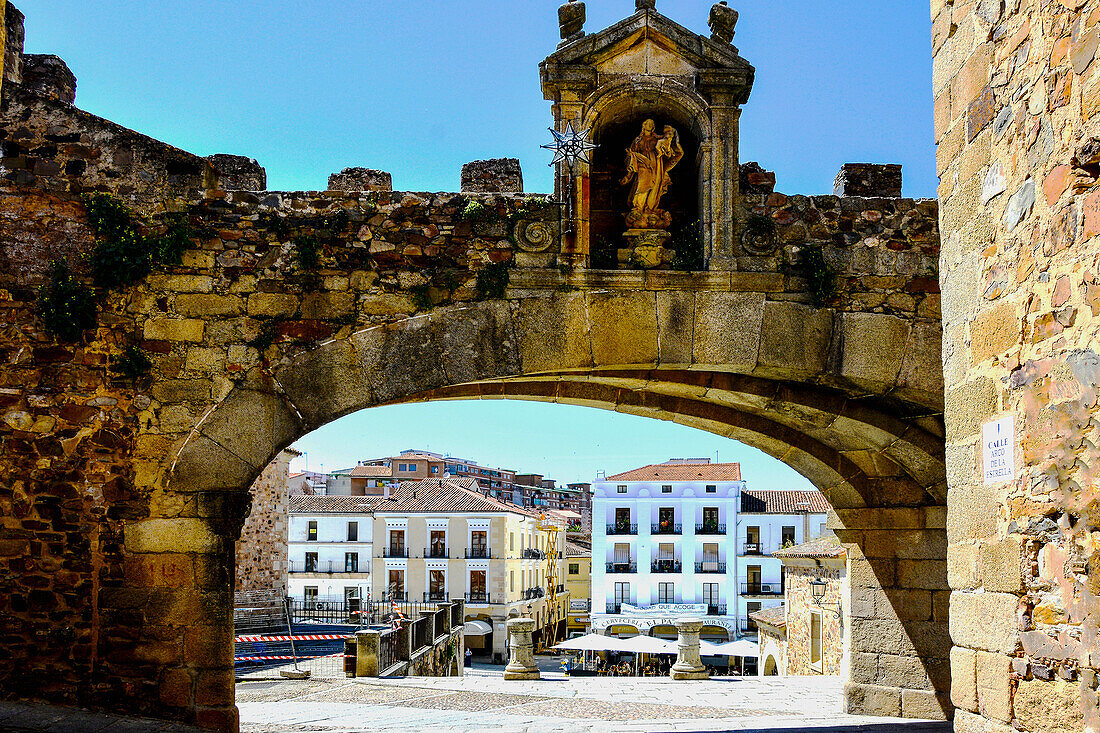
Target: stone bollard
521 665
688 664
366 653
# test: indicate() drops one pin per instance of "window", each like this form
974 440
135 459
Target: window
751 608
622 553
353 531
511 542
710 594
622 593
351 562
438 543
511 580
666 489
815 639
574 568
435 469
710 519
710 557
311 532
666 592
753 572
437 585
400 466
311 562
666 519
788 535
351 598
309 593
752 540
666 551
412 466
477 586
479 544
620 489
712 488
395 586
397 543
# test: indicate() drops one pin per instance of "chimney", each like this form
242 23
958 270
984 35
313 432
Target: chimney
386 492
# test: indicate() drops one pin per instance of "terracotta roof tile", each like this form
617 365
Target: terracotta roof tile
682 472
776 617
361 471
575 548
307 504
783 502
827 545
444 495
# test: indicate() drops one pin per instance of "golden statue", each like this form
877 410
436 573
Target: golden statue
649 159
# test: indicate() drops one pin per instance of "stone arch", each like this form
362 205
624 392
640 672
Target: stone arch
771 667
630 97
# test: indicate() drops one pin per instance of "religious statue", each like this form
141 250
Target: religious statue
649 160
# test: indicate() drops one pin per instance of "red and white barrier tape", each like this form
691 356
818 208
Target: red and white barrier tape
303 637
273 657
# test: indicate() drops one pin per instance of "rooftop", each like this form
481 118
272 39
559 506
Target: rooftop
776 617
783 502
371 471
682 470
444 495
310 504
827 545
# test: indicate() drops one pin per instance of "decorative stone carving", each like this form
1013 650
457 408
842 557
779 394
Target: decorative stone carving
534 236
723 19
688 665
645 4
521 663
758 236
571 17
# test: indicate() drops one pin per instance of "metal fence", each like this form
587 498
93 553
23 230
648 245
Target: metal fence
354 612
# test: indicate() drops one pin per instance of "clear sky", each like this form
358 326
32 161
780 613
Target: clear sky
418 87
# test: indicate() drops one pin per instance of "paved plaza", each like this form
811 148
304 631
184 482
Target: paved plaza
483 701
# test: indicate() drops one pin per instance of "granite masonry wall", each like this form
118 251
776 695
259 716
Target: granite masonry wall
1017 92
800 607
261 560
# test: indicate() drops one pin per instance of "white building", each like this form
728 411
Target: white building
330 548
687 537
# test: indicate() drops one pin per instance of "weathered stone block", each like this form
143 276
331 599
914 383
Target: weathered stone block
200 305
1050 706
272 304
623 328
874 348
675 319
1003 564
49 76
174 329
727 328
994 685
181 534
499 175
963 569
871 700
553 332
360 179
869 180
964 680
985 621
795 339
238 173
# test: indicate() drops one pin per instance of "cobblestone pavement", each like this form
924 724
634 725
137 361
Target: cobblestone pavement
483 701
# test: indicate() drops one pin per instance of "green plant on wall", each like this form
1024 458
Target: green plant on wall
307 252
131 364
821 280
421 298
66 305
476 212
492 280
126 249
687 242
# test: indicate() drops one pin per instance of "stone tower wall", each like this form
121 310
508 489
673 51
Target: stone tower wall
262 548
1017 91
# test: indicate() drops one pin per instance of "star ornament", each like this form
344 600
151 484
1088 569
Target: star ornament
570 146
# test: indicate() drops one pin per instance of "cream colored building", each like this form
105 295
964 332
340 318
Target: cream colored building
578 582
440 539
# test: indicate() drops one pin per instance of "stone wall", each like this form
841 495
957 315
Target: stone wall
262 548
1016 89
800 608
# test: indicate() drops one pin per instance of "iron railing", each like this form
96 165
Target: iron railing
622 528
614 607
531 553
665 528
748 627
475 553
716 609
326 566
752 548
435 596
710 528
622 567
391 649
667 566
762 589
710 566
478 597
437 552
395 552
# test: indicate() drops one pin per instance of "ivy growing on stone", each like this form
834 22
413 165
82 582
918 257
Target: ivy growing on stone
475 212
132 364
421 298
125 250
687 242
821 279
492 280
66 305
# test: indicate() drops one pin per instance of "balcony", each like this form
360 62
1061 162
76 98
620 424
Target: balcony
761 589
622 567
530 553
710 528
395 552
438 552
398 597
716 609
710 566
622 529
327 566
667 566
478 597
665 528
614 607
748 627
532 593
479 553
751 548
435 596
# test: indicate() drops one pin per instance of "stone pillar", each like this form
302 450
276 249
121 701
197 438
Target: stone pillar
521 665
238 173
688 665
723 171
366 653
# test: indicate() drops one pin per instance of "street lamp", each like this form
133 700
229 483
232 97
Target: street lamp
817 591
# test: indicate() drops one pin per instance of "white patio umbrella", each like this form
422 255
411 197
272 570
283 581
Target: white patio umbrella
739 648
593 643
648 645
708 649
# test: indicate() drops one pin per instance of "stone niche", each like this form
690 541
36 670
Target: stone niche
611 82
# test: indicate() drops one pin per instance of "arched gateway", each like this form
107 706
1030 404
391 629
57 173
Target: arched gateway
809 327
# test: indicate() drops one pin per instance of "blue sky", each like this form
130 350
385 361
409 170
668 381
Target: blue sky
418 87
